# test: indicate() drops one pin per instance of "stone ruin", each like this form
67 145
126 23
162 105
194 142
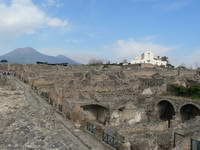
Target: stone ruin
125 107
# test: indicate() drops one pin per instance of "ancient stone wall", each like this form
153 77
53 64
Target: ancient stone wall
129 94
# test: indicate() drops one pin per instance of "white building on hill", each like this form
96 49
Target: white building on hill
149 58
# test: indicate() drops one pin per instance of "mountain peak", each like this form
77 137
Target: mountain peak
25 50
61 56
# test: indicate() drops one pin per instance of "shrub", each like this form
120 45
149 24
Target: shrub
178 90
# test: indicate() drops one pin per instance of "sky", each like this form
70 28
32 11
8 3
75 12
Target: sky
103 29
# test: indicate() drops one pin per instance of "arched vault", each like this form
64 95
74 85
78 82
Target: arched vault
189 111
166 110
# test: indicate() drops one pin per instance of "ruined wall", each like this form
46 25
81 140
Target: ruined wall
128 94
3 67
113 86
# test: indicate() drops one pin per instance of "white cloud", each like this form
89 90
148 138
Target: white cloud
55 22
149 37
122 49
23 16
52 3
191 59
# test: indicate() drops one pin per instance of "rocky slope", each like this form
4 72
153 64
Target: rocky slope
27 122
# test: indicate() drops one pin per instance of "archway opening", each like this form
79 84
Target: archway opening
166 110
96 112
189 111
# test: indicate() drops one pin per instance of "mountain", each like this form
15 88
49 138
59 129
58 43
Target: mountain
29 55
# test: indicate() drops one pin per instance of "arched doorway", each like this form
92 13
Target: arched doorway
166 111
96 112
189 111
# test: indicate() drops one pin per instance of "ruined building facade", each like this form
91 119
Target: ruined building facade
125 107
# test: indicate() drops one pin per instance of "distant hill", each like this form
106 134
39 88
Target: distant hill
29 55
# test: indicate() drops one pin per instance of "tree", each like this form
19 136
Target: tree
4 61
170 66
165 58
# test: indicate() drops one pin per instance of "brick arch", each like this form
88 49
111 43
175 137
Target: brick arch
189 111
187 103
172 102
97 104
93 104
96 112
165 110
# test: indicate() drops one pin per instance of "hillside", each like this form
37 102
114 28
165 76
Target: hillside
29 55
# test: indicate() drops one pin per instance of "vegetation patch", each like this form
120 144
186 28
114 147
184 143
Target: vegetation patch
179 90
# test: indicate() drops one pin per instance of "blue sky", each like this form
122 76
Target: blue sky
106 29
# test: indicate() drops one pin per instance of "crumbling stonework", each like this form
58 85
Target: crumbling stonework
132 100
27 122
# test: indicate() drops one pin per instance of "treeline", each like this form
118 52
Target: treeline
53 64
3 61
178 90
